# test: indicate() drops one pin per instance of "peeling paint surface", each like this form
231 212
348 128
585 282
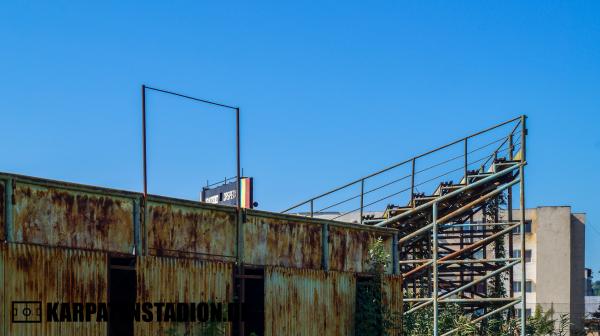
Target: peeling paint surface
162 279
52 275
309 302
192 231
61 217
392 302
349 248
2 210
282 242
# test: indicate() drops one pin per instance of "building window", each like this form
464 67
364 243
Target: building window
528 286
517 254
527 312
517 230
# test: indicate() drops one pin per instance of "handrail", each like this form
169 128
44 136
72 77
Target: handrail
362 179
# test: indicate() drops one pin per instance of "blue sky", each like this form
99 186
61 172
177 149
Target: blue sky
329 91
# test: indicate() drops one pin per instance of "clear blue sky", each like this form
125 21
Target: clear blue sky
329 91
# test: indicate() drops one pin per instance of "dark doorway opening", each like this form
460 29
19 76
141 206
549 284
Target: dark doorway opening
121 296
254 302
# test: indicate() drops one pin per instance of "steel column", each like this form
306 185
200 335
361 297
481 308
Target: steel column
522 206
435 270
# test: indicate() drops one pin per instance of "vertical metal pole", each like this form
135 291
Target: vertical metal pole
362 196
412 184
240 233
144 141
435 271
466 161
511 274
522 205
395 253
237 142
312 207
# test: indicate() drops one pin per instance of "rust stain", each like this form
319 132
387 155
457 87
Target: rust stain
392 302
309 302
163 279
349 248
59 217
175 230
282 242
53 275
2 211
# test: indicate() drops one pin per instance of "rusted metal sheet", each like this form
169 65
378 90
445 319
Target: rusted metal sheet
181 280
2 210
281 241
191 230
62 217
349 248
309 302
52 275
392 302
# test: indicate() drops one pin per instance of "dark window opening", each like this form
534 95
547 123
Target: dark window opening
121 296
254 303
527 223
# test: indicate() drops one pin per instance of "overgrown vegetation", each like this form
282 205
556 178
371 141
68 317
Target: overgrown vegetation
541 323
372 318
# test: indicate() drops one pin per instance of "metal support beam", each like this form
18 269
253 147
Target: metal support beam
435 270
523 233
483 317
395 267
8 210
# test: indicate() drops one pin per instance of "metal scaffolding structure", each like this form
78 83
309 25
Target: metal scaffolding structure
455 245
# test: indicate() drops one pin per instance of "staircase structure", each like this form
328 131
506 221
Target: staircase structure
455 242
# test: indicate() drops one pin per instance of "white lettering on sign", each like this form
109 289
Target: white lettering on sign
228 196
212 199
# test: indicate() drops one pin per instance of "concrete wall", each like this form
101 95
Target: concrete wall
578 269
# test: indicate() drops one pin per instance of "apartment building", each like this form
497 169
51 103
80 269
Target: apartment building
555 256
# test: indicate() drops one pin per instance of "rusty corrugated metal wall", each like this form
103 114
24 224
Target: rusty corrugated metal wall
309 302
163 279
282 242
191 230
35 273
349 248
2 210
62 217
392 301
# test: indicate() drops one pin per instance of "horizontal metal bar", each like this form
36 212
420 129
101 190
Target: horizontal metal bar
191 98
413 261
416 299
477 261
478 300
482 317
478 224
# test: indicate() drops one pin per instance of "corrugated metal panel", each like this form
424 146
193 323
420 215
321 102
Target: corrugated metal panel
282 242
53 275
177 230
2 209
61 217
392 301
309 302
161 279
349 248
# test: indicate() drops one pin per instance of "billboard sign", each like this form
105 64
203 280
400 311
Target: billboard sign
226 194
